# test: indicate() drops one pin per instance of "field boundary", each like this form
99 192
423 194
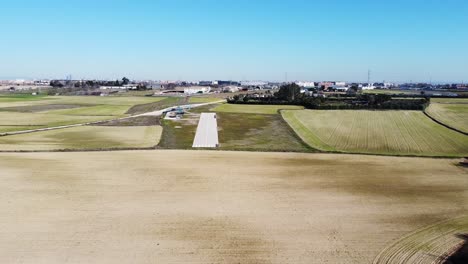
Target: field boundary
302 126
443 124
157 147
307 146
436 242
319 146
152 113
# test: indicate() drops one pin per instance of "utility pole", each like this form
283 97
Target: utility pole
286 77
368 78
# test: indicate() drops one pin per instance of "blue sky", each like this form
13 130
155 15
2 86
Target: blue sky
398 40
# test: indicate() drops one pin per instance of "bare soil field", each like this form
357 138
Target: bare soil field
173 206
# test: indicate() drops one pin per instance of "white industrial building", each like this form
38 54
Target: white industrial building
368 87
197 90
306 84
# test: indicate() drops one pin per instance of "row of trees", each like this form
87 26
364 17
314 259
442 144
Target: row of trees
291 94
88 83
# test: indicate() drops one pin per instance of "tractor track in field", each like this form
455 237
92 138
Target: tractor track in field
431 244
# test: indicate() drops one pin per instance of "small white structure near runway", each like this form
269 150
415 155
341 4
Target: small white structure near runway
207 132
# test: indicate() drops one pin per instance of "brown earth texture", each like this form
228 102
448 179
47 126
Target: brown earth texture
174 206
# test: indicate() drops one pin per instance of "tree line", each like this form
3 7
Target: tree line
291 94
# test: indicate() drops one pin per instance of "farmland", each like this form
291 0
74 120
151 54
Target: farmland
19 121
227 207
451 112
376 132
254 109
203 99
84 138
257 132
24 112
263 130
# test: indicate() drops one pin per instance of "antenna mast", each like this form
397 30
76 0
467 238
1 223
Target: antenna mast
368 78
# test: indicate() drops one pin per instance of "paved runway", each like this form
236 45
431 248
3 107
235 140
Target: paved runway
207 132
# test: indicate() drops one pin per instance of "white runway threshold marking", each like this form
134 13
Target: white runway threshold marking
207 132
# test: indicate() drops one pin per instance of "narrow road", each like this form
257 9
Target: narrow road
153 113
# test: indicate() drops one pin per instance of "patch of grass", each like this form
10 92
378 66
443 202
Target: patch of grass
149 107
16 121
376 132
304 133
254 109
21 97
49 111
202 99
204 109
98 110
84 137
450 100
452 114
39 108
11 128
177 134
106 100
134 121
257 132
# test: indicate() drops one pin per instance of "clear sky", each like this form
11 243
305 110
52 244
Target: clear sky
399 40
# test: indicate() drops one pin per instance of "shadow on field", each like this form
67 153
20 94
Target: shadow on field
461 255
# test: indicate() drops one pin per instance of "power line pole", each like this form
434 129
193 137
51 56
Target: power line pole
368 78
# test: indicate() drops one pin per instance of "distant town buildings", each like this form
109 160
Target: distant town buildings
216 86
196 90
306 84
253 83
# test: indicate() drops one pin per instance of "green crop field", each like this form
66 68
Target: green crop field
451 113
28 100
84 137
254 109
20 97
24 112
376 132
13 121
450 100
